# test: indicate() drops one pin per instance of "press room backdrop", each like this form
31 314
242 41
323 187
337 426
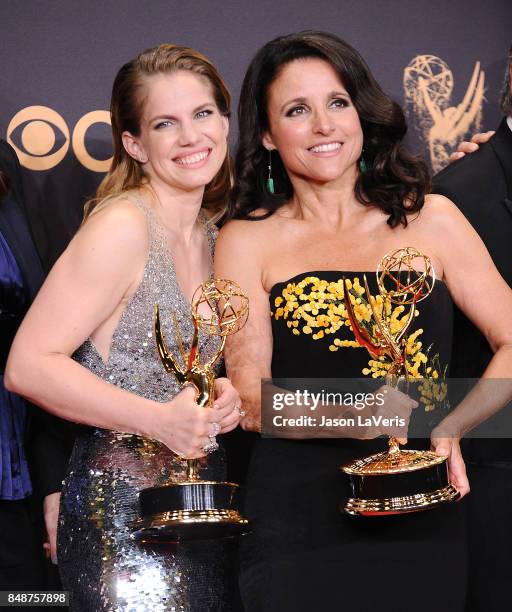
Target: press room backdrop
444 61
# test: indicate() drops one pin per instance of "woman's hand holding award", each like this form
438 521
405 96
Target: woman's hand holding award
195 508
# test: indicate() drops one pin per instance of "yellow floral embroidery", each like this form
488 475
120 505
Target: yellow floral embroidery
316 307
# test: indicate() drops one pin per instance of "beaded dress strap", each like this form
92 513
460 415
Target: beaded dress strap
156 229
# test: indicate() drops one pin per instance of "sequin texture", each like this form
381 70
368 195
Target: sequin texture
102 566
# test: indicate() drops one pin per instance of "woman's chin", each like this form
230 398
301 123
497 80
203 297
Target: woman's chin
193 180
325 178
330 174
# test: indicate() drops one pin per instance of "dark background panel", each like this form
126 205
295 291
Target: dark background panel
64 55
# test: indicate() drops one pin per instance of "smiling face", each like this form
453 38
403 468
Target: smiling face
313 123
183 137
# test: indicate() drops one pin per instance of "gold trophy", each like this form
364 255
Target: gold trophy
194 508
396 481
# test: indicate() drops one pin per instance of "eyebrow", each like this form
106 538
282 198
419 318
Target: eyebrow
196 109
302 99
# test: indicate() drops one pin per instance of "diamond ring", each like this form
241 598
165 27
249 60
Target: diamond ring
215 431
211 447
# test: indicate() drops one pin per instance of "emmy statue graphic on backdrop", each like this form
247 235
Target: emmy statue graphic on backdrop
395 481
195 508
428 87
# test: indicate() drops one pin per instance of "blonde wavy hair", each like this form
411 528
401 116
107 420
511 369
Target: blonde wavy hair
126 108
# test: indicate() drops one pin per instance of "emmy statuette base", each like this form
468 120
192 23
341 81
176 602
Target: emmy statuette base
190 510
401 505
397 483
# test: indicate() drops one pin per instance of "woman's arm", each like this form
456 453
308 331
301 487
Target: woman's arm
474 282
83 296
248 353
485 298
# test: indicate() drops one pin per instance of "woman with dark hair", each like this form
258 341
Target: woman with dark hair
325 189
86 349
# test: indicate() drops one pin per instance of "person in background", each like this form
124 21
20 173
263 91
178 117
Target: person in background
481 186
21 275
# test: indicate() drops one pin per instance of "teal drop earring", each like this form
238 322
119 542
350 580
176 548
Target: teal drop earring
362 164
270 180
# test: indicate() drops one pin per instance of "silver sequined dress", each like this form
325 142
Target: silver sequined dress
100 564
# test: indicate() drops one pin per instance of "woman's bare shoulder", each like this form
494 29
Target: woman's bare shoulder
439 207
117 217
442 226
438 216
115 230
117 208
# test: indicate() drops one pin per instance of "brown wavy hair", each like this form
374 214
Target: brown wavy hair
126 109
395 181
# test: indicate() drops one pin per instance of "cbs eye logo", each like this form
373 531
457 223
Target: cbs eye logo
41 138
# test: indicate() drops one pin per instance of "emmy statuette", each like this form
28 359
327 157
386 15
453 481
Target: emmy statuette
398 480
193 508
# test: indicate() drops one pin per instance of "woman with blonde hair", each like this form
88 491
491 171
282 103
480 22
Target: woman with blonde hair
86 350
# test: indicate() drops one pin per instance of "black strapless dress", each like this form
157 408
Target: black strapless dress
303 553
